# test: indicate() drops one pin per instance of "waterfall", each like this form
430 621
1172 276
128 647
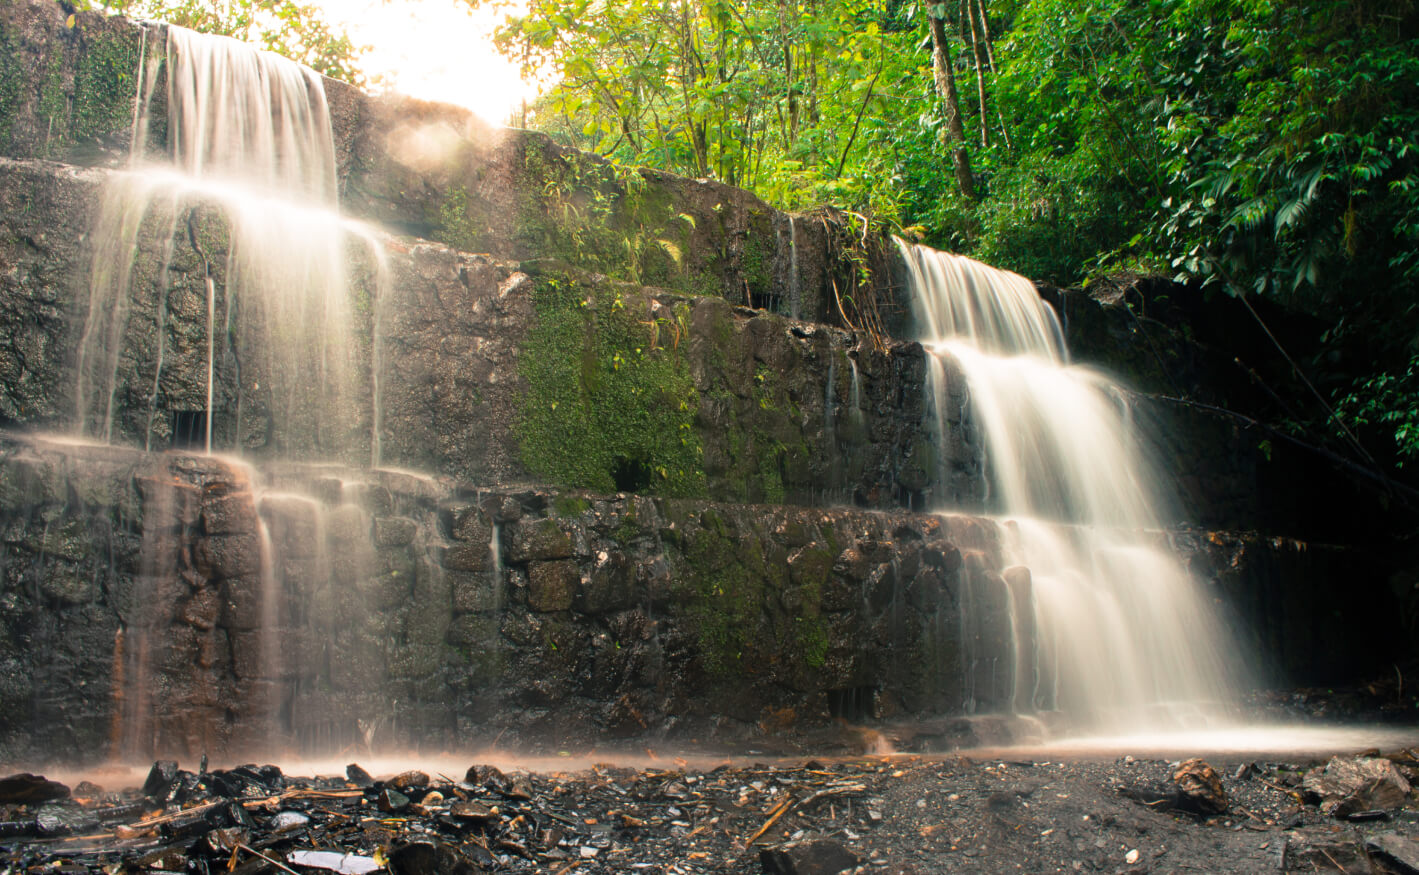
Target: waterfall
235 231
249 185
1120 636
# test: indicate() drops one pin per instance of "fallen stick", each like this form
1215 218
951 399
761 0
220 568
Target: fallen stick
1333 861
277 863
773 819
1289 792
793 802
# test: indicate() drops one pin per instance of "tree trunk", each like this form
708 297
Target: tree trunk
990 62
980 74
955 134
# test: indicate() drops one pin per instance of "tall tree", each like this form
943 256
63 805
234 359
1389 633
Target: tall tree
954 132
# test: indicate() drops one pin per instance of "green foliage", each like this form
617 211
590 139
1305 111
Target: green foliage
298 31
609 400
1389 402
571 505
104 85
779 97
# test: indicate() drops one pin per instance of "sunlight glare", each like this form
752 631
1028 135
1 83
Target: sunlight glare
438 50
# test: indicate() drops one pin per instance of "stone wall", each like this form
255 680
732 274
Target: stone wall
767 407
188 604
437 172
176 604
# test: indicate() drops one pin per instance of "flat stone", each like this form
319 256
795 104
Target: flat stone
24 788
409 780
473 592
394 531
241 603
1397 849
820 857
225 556
1351 784
468 523
552 586
530 540
610 586
168 503
201 609
230 514
467 557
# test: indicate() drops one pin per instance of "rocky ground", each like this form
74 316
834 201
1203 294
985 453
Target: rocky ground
891 814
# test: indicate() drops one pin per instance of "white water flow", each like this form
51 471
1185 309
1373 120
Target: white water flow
1122 638
854 402
795 293
249 184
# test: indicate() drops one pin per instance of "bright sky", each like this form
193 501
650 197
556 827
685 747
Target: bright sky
434 50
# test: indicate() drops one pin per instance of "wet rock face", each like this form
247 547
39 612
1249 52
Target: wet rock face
437 172
164 603
1283 593
172 603
784 411
42 209
68 91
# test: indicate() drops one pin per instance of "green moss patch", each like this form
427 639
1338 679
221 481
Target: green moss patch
610 401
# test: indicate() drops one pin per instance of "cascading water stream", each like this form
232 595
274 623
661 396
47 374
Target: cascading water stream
236 228
250 182
1121 637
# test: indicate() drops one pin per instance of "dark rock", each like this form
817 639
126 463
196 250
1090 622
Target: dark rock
467 557
1311 852
552 586
372 497
232 815
62 820
394 531
162 777
820 857
1200 787
226 556
169 859
1400 851
486 776
25 788
467 523
233 513
391 800
474 592
202 609
358 776
431 858
852 564
186 826
542 540
412 780
610 585
241 603
473 810
224 841
1347 785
